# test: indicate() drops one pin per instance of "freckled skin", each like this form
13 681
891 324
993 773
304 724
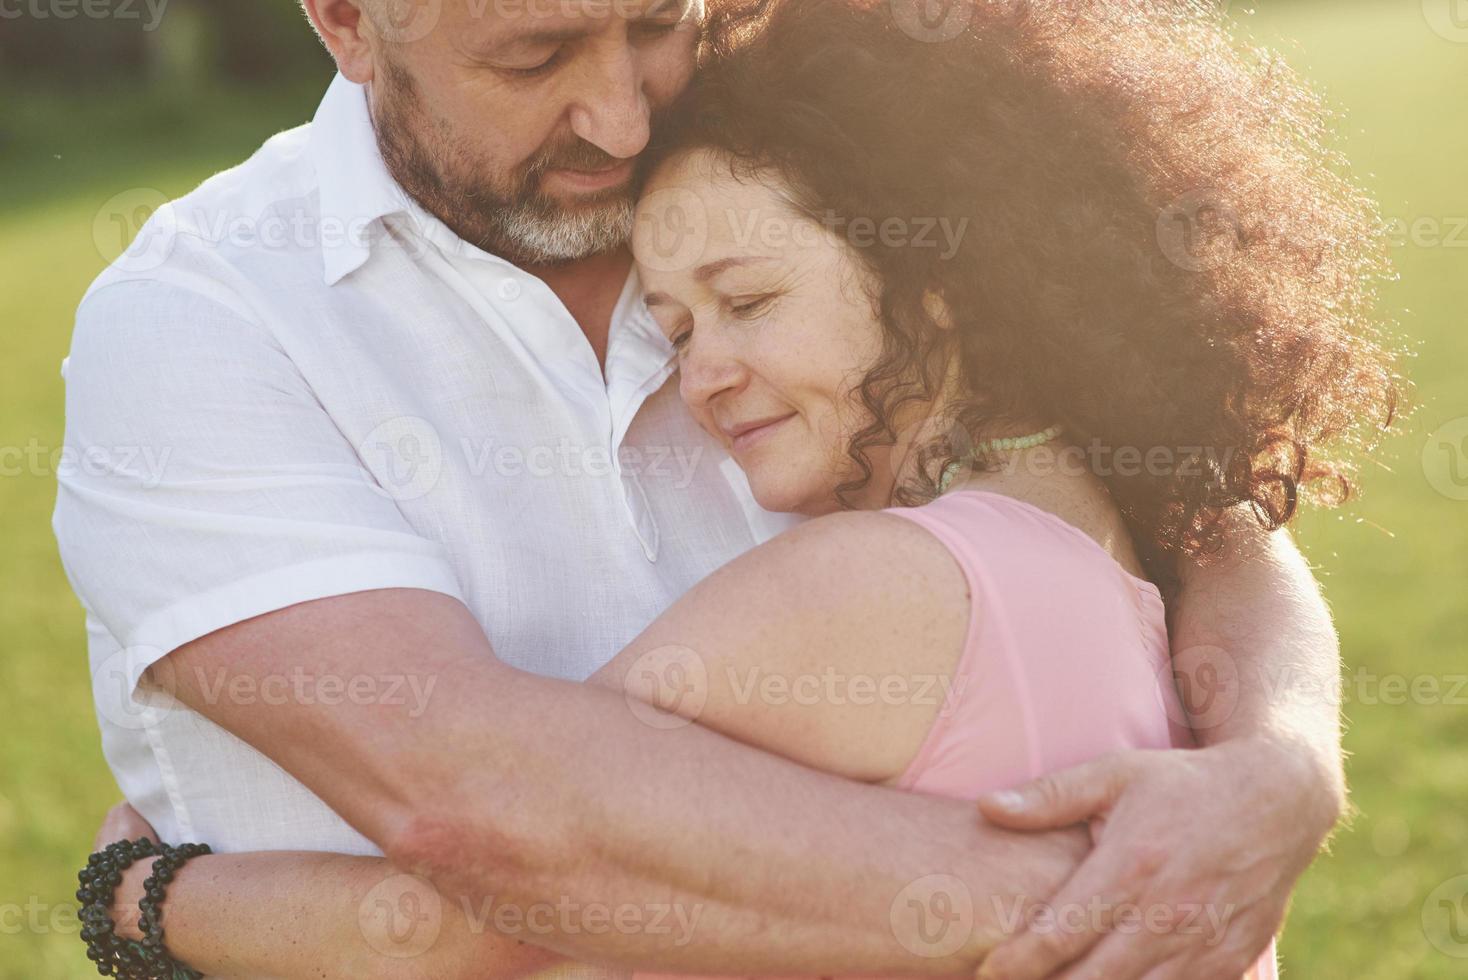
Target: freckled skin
792 329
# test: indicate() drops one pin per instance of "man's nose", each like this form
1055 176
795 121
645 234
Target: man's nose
612 112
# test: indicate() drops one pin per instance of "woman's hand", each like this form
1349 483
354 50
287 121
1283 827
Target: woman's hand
123 823
1197 852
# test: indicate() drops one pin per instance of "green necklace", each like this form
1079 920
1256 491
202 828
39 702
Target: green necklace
986 449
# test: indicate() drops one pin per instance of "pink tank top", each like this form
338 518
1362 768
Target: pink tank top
1066 658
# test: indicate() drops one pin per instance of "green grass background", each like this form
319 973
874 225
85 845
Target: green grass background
1394 563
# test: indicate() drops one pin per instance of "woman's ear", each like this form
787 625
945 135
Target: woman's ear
938 309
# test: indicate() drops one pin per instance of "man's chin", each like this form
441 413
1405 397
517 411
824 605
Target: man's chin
570 234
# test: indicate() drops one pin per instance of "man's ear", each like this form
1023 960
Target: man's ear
938 309
347 32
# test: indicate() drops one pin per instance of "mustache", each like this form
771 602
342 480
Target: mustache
575 153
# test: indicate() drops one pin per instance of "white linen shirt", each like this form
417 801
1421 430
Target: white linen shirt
298 384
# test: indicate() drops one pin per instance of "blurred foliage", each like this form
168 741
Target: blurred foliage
86 42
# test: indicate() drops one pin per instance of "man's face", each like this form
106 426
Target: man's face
519 122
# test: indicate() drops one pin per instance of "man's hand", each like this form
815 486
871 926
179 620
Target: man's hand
1196 854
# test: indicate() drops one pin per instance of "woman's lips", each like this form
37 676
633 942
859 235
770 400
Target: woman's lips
752 436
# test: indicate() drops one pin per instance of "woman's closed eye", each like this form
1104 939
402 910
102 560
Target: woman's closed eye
681 336
749 307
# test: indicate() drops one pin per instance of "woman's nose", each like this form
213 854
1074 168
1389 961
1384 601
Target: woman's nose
708 369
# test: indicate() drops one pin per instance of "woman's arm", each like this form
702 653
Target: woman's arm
794 648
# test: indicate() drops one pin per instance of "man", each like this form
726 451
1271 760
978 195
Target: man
417 424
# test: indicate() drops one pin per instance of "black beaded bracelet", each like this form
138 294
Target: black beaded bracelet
151 907
97 884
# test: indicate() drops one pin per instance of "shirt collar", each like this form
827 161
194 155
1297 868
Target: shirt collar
355 186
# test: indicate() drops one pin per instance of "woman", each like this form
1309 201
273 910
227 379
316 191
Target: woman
1017 315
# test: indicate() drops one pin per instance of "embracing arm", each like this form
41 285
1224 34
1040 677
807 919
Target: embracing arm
1258 660
1228 829
524 793
706 656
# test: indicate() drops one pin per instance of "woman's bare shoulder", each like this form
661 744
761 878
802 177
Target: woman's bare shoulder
793 643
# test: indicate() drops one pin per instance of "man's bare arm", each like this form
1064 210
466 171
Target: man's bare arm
1257 663
1253 639
535 791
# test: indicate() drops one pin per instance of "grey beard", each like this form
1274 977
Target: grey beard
529 232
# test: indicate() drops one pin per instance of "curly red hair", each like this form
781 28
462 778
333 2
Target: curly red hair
1160 251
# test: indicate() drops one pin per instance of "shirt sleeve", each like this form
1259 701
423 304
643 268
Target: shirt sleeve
202 483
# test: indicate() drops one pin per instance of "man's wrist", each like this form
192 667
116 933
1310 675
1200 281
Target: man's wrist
1297 769
125 912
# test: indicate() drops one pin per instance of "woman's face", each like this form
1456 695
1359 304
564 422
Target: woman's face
773 321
